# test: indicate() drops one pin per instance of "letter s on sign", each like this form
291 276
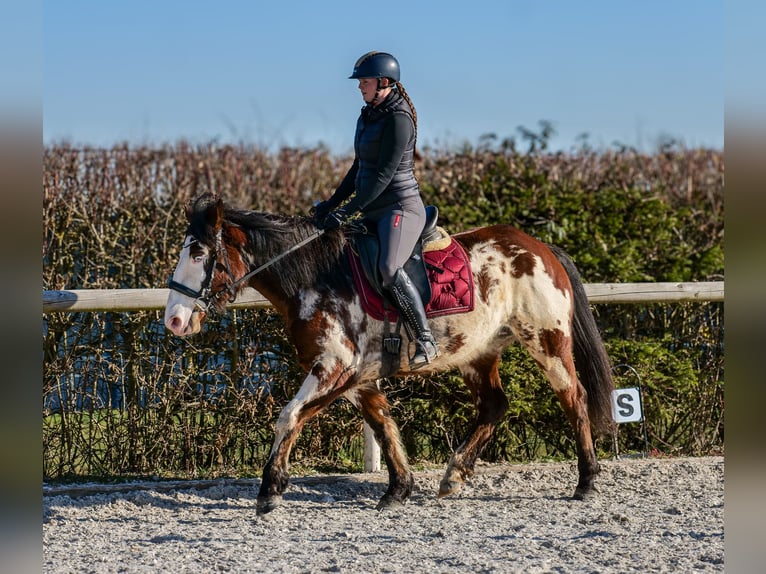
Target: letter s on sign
625 405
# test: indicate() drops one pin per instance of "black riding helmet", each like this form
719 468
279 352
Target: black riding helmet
376 65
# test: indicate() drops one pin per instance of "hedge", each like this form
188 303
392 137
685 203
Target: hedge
123 397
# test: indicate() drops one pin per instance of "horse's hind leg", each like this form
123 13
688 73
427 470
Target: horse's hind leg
554 355
483 379
574 401
375 410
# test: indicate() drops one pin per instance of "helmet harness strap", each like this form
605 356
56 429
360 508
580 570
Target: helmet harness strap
379 89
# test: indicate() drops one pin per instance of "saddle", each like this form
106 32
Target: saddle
438 267
364 242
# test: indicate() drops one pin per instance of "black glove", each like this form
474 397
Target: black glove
333 220
321 210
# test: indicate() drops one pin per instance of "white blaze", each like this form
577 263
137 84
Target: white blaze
179 308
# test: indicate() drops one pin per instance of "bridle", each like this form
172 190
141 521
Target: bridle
205 295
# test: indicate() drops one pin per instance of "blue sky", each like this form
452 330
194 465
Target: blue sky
275 73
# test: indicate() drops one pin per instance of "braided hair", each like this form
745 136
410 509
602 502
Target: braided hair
401 90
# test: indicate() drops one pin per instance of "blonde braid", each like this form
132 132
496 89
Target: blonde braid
401 89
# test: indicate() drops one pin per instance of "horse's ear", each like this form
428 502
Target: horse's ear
188 211
214 214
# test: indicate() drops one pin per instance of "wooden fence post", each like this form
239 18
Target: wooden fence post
154 299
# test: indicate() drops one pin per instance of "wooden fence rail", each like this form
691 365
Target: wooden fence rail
154 299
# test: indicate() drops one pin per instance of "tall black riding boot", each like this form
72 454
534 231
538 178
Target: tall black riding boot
411 307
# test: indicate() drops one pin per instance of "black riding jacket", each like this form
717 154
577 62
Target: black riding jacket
384 146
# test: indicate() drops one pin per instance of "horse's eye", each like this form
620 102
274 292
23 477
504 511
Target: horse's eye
198 258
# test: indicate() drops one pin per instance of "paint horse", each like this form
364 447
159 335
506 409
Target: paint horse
525 292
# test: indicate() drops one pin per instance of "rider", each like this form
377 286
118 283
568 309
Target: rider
385 190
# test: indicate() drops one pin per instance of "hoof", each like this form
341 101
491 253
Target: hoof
267 503
584 493
388 502
448 487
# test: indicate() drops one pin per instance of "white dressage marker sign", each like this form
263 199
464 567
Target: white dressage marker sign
626 405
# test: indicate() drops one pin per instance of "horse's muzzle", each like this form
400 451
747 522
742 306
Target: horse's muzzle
194 326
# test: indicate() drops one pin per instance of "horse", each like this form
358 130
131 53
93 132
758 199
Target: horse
526 292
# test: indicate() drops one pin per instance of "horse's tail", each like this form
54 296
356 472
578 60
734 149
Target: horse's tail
591 359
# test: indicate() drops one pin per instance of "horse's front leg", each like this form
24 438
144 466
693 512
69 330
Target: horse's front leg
318 390
376 412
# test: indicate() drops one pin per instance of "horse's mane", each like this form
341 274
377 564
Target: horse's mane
271 234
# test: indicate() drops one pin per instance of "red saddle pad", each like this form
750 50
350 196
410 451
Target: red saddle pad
451 289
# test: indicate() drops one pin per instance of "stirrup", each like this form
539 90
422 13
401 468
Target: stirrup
426 351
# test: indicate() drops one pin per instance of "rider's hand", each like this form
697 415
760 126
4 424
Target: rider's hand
320 210
333 220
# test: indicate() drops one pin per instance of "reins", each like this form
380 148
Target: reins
231 287
203 297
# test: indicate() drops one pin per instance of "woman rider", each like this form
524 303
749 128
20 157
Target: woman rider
384 189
